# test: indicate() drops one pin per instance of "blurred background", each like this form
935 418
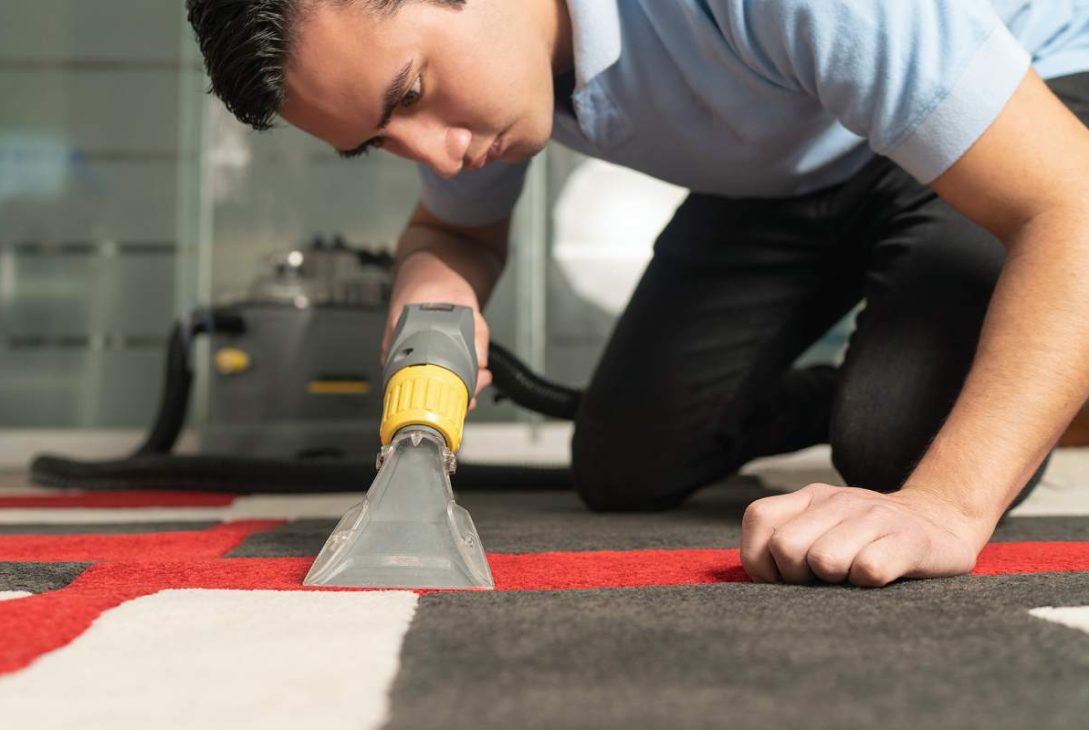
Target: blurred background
128 197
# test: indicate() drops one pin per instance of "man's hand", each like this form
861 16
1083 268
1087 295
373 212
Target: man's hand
838 534
481 334
440 262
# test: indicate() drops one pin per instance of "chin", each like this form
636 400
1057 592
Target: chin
532 143
527 149
523 153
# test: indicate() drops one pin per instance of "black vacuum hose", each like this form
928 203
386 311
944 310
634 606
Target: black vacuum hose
178 376
523 386
250 475
177 382
152 466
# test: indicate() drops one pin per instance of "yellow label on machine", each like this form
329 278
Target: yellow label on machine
425 395
338 387
231 361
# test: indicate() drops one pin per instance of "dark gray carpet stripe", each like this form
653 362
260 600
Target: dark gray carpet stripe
295 539
38 577
949 653
1042 529
108 528
541 521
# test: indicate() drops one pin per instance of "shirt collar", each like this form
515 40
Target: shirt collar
595 28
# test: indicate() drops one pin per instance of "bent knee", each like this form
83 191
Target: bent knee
860 469
866 459
609 484
614 475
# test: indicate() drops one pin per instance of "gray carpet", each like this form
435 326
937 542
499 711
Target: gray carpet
101 528
951 653
38 577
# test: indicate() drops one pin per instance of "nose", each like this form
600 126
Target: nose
439 146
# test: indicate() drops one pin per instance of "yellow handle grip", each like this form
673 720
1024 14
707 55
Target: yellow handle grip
425 395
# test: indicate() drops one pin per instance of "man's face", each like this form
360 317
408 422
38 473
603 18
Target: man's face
476 81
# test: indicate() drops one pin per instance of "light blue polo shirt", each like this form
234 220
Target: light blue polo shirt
776 98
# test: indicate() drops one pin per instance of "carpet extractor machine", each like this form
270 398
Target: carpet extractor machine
293 408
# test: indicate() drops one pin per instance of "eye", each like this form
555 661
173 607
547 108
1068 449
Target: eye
414 94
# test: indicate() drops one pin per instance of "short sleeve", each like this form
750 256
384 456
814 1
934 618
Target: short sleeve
474 197
921 80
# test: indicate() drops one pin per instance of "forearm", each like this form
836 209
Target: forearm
1029 378
431 263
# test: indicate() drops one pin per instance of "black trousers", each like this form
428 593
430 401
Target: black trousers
697 377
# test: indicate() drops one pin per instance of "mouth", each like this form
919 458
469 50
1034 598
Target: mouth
492 153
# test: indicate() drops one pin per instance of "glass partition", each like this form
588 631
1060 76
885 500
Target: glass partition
89 146
128 197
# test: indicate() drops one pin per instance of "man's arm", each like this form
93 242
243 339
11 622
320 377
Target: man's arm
439 262
465 260
1027 181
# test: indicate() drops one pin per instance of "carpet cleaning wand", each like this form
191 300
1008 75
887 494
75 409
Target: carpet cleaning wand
408 532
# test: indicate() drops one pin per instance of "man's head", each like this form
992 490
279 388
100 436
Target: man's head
452 80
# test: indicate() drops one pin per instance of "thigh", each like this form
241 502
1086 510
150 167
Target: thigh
736 290
931 276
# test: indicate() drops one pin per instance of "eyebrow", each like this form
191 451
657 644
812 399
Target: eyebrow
393 96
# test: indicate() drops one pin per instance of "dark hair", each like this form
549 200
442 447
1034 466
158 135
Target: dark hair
245 44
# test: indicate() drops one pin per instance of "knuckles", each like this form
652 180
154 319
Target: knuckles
783 545
843 498
880 512
868 573
750 518
756 513
829 567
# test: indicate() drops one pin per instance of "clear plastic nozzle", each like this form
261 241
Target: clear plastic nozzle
408 532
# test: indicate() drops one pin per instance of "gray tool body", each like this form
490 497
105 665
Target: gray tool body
408 532
434 334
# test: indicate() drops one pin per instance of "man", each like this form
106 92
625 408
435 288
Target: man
905 152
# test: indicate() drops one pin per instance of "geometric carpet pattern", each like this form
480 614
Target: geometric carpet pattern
181 610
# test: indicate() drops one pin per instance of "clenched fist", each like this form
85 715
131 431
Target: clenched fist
867 538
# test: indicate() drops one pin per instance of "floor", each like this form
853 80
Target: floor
195 620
